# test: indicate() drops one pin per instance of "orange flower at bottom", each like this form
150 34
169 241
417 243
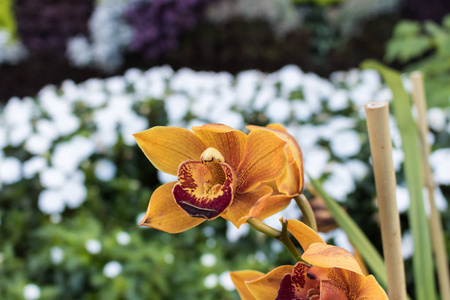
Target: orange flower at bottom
334 275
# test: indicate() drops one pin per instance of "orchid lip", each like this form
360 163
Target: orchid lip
198 212
205 189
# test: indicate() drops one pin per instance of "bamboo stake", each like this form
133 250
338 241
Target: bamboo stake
381 148
435 216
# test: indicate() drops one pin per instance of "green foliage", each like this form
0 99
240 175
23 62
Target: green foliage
7 20
425 47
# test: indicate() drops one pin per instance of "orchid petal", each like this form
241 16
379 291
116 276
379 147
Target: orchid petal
167 147
266 287
265 159
372 290
327 256
268 206
292 181
303 234
231 143
164 214
239 278
239 211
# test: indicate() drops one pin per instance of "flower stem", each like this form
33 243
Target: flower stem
307 211
282 236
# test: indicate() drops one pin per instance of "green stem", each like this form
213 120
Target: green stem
282 236
307 211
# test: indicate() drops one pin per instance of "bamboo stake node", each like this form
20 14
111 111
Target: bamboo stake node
381 148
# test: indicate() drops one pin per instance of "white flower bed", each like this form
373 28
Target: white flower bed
51 136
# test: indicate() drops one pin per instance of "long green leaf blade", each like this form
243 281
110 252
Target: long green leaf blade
422 257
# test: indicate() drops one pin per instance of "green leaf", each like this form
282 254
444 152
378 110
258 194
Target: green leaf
355 234
422 257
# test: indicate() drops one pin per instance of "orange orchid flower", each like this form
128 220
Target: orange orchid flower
334 275
221 172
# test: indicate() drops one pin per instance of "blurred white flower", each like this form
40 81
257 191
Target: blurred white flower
278 110
301 110
340 182
177 106
338 100
19 133
169 258
47 129
10 170
397 158
315 161
440 163
112 269
436 119
52 178
74 193
123 238
208 260
345 144
37 144
211 281
3 137
230 118
402 196
56 255
116 85
357 168
67 156
246 86
260 257
291 78
31 292
109 37
93 246
407 245
265 95
105 169
51 202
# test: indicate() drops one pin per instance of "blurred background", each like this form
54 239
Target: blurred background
77 78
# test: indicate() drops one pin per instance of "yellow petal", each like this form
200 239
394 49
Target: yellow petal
288 183
327 256
268 206
239 211
292 181
303 234
265 159
230 142
164 214
238 279
167 147
266 287
372 290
